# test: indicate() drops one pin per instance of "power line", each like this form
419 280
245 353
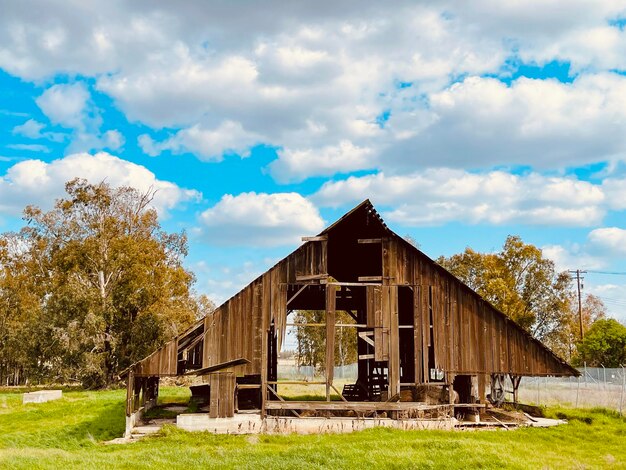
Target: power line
612 273
618 302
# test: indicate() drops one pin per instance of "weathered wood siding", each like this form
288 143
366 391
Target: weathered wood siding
161 362
469 335
236 329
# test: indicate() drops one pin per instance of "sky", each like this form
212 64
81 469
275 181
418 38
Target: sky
258 123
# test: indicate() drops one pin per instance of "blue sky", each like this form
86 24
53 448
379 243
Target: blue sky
261 123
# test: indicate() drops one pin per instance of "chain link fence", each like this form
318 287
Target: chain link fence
596 387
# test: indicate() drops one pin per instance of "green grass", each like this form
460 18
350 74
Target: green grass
69 433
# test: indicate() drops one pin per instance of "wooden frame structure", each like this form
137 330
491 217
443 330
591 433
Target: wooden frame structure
417 326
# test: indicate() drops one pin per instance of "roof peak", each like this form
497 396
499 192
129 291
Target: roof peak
366 203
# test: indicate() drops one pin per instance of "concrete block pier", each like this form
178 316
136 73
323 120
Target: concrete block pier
42 396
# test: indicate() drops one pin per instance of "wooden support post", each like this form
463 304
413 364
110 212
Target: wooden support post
394 340
330 337
482 388
222 399
417 336
451 388
214 395
265 319
515 380
130 387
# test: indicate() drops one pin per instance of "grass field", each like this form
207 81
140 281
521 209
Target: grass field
69 433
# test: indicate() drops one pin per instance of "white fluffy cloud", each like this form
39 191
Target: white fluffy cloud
481 122
610 240
65 104
260 219
602 247
208 144
573 257
300 164
31 129
70 106
40 183
438 196
313 77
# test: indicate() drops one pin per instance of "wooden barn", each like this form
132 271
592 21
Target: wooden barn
418 329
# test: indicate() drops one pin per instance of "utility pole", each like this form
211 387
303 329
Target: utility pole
579 278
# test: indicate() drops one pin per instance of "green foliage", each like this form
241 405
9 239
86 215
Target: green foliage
96 285
69 433
604 344
312 339
523 284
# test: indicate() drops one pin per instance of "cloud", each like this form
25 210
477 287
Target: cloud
66 104
259 219
208 144
32 129
613 296
602 247
220 282
481 122
40 183
438 196
573 257
70 106
113 139
30 147
611 240
615 189
313 77
297 165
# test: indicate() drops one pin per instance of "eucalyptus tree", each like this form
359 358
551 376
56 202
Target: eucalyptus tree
109 282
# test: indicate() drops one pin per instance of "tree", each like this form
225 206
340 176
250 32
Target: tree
520 282
566 338
312 339
604 344
101 284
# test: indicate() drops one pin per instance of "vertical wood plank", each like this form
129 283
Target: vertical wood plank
417 334
265 322
330 337
394 342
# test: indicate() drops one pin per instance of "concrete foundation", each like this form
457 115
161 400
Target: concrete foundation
254 424
42 396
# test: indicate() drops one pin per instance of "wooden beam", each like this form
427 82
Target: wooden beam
369 278
353 315
369 240
311 277
248 386
265 322
394 341
296 414
220 366
296 382
192 344
365 336
319 238
353 284
366 406
345 325
331 293
297 293
339 393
